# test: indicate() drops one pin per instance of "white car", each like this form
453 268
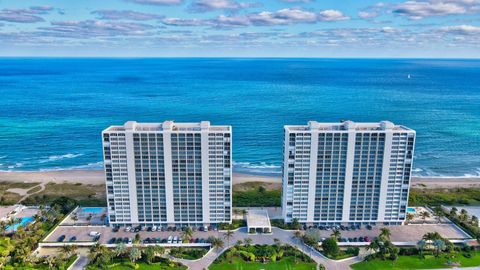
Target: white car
169 240
175 239
127 229
93 234
154 228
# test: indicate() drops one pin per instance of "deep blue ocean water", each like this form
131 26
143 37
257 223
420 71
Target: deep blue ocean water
52 111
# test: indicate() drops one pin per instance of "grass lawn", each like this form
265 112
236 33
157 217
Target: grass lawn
284 264
9 198
256 194
414 262
440 196
85 195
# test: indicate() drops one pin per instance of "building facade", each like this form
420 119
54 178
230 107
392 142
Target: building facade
168 173
347 173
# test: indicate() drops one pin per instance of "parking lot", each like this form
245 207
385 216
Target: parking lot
82 234
405 233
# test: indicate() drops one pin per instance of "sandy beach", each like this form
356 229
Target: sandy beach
95 177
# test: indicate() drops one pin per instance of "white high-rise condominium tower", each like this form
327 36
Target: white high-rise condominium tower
347 173
168 173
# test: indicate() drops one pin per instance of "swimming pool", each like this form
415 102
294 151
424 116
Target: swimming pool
410 210
23 221
93 210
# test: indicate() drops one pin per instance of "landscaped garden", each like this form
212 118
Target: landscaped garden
416 262
432 251
188 253
124 258
268 257
160 264
16 247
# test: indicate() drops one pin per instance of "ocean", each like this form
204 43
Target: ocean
52 110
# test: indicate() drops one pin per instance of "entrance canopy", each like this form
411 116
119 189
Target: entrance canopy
258 220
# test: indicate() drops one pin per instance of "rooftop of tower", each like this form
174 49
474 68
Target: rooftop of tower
349 125
167 126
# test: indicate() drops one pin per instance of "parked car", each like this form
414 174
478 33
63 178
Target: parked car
367 239
369 227
170 239
146 240
73 239
94 234
154 228
112 241
119 240
125 240
61 238
127 229
115 229
175 239
130 240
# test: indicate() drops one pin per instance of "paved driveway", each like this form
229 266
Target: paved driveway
262 239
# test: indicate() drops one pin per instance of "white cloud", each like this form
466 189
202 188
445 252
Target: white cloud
462 29
125 15
210 5
420 9
367 15
331 15
157 2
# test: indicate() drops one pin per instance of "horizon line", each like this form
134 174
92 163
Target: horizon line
241 57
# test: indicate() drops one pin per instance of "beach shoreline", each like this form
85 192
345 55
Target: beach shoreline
96 177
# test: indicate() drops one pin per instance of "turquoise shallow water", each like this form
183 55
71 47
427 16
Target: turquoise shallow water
53 110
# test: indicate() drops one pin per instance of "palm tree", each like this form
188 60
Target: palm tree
421 246
3 227
248 241
134 255
244 213
295 224
474 221
121 249
385 234
67 250
217 243
228 235
410 217
51 261
336 234
463 215
73 249
439 245
74 218
277 242
11 223
238 243
453 211
424 215
439 213
89 218
187 234
374 245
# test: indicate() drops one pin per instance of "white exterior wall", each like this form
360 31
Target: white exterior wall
291 197
117 194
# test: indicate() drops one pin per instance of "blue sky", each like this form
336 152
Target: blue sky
241 28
